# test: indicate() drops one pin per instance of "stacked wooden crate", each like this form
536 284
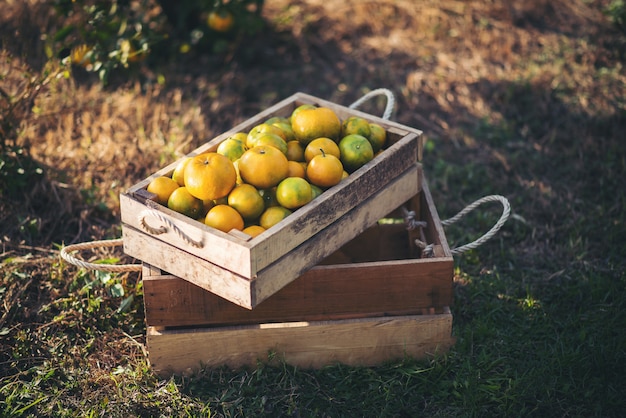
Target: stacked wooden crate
339 280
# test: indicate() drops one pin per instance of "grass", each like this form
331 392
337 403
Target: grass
539 313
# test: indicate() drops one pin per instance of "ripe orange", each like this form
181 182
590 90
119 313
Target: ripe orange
377 137
309 124
273 215
247 200
184 202
356 151
263 128
295 151
221 20
319 146
82 55
271 140
179 172
162 187
210 176
263 166
293 192
355 125
224 218
232 148
324 170
254 230
296 169
300 109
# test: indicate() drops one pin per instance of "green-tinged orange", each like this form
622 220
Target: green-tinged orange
293 193
273 215
247 200
184 202
309 124
356 151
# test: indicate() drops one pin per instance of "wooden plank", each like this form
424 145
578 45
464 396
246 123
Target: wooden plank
249 293
353 342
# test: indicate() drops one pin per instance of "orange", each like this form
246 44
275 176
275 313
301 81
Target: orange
309 124
210 176
271 140
296 169
82 55
224 218
324 170
295 151
221 20
254 230
247 200
179 172
319 146
184 202
287 130
239 179
356 151
355 125
377 137
293 192
263 128
263 166
162 187
277 119
269 197
207 205
232 148
300 109
273 215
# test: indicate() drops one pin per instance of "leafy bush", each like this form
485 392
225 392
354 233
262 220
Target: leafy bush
102 35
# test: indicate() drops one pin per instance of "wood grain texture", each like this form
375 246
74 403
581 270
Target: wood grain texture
353 342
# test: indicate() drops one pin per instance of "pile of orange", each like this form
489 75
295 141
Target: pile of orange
254 180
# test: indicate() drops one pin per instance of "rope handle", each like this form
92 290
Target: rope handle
164 228
391 101
67 250
506 211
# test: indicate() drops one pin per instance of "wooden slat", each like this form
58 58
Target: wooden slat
353 342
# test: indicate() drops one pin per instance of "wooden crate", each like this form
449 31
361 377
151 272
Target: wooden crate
375 299
247 270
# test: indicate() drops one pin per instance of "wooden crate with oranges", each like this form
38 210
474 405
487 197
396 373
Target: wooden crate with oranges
253 209
378 298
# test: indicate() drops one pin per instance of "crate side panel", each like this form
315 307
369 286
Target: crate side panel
216 247
172 259
359 342
322 293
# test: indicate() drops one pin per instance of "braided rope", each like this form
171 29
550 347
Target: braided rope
65 255
162 229
391 101
506 211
